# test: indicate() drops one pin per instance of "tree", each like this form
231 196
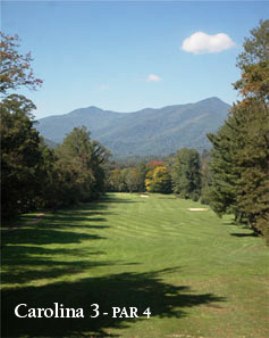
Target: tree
254 64
80 166
117 180
205 176
20 142
133 180
158 180
15 70
21 155
252 160
186 174
222 194
240 155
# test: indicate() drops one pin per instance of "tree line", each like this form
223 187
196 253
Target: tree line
33 175
232 178
239 167
180 174
78 170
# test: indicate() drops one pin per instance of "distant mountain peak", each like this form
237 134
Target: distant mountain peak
91 109
150 131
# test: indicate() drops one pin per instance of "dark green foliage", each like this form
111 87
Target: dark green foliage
32 174
79 167
252 159
134 180
240 155
186 174
130 179
222 193
21 156
116 181
240 163
205 176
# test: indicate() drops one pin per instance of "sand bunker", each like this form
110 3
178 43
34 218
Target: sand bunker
145 196
198 209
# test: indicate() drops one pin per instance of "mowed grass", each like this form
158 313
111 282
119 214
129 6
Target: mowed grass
200 275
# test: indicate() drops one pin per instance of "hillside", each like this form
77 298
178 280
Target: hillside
146 132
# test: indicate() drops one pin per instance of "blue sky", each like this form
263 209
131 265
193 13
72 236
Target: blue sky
126 56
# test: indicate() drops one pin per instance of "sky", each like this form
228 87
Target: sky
129 55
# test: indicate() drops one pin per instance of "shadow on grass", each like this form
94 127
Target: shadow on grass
22 264
250 234
25 260
42 247
40 235
113 199
26 257
245 228
141 290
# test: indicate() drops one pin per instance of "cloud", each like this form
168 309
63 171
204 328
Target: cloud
153 78
200 43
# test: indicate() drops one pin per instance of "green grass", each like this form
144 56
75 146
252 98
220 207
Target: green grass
201 276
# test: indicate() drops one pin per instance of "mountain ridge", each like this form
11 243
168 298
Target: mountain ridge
146 132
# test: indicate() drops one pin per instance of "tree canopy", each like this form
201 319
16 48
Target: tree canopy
32 174
186 174
15 70
240 155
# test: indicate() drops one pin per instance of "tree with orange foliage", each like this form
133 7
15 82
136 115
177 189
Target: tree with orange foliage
158 180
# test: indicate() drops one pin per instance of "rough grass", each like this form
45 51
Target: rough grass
201 276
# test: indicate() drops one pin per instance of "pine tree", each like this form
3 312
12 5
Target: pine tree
240 155
252 157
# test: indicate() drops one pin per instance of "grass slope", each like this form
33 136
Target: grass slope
201 276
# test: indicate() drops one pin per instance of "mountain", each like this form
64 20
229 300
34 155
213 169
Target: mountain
49 143
146 132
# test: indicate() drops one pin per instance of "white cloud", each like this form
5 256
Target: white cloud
153 78
199 43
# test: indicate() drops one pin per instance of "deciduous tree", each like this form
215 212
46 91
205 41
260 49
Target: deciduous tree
158 180
20 155
15 69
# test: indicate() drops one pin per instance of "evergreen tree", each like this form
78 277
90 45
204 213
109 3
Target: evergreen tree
186 174
240 155
222 194
80 168
252 160
205 176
